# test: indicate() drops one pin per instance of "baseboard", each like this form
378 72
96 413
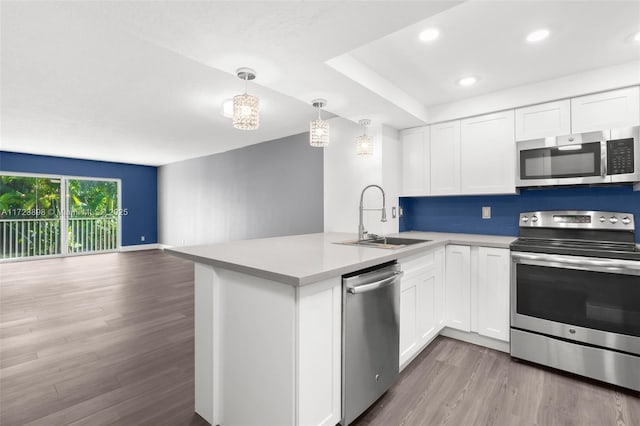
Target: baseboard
164 246
414 356
476 339
137 247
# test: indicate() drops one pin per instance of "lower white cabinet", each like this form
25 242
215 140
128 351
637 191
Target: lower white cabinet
266 353
320 353
477 290
421 303
458 287
493 292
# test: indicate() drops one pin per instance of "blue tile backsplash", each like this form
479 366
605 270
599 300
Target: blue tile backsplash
464 213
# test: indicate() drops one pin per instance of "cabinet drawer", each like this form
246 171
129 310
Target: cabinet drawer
418 263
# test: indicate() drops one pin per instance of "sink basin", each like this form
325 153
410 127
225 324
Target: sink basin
384 242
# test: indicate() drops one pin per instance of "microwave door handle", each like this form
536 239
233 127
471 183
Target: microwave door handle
603 159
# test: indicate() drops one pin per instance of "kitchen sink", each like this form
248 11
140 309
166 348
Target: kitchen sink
384 242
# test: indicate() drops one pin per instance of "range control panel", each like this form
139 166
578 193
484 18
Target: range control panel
620 156
578 220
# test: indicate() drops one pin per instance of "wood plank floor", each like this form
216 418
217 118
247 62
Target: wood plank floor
108 339
95 340
457 383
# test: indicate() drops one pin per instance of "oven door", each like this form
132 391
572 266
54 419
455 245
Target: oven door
591 300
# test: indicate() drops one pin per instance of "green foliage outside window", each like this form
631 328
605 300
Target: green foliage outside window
32 212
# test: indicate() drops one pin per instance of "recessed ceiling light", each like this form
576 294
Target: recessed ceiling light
636 37
538 35
467 81
429 34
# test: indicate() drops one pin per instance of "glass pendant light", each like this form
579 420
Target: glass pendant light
246 107
364 143
319 129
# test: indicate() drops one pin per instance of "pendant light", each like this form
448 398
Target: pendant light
246 107
364 143
319 129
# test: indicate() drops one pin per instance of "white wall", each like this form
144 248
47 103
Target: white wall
269 189
346 174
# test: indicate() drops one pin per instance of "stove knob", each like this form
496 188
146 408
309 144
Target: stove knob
613 219
603 219
534 219
626 220
525 219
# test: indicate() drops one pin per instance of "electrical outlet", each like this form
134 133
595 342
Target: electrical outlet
141 237
393 212
401 211
486 212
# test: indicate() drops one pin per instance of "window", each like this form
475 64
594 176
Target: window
48 216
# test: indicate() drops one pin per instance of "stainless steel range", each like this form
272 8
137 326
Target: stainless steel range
575 294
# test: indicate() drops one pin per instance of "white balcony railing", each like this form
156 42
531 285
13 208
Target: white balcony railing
93 234
29 237
43 237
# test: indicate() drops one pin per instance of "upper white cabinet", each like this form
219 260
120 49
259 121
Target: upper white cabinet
543 120
445 158
493 292
458 287
415 161
616 108
488 152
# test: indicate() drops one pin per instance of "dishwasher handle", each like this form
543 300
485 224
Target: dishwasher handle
363 288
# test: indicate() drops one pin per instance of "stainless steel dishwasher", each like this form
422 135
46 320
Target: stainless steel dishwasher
370 336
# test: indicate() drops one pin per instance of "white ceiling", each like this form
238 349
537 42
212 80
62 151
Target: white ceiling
142 82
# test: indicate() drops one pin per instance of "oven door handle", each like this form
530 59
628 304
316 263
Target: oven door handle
586 263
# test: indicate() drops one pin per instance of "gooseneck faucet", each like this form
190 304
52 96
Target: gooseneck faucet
361 232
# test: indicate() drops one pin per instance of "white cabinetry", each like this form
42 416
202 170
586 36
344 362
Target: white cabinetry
421 303
543 120
320 354
493 292
445 158
269 346
477 290
415 161
488 154
616 108
458 287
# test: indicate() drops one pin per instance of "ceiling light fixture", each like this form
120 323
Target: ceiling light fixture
636 37
319 129
246 107
467 81
538 35
430 34
364 144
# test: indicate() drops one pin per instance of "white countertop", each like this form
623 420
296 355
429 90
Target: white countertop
304 259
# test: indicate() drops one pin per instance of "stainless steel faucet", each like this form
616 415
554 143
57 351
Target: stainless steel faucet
362 234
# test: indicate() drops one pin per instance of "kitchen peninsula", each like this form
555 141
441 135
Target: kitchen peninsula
268 322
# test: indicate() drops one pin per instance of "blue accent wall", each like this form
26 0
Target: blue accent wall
138 185
464 213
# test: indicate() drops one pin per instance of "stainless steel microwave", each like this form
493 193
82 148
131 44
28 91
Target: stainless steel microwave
588 158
